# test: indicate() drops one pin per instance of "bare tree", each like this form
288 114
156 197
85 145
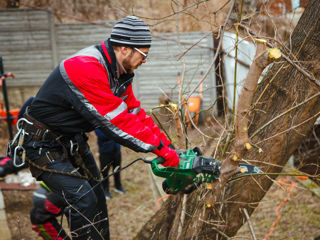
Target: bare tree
283 111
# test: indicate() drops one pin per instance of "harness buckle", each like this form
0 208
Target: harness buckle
22 120
74 147
44 134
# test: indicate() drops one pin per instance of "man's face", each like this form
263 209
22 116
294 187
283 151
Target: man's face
134 59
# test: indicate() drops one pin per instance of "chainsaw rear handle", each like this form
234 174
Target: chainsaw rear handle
160 160
163 171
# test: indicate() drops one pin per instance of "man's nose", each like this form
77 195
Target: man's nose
144 60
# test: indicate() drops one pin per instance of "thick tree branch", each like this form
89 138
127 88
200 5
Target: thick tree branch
242 142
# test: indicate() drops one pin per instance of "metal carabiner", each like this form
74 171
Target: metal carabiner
25 120
72 146
18 148
21 137
23 156
16 137
43 136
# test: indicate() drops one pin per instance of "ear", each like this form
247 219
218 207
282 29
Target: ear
125 51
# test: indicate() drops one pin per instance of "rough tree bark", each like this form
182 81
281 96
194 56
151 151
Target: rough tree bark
285 107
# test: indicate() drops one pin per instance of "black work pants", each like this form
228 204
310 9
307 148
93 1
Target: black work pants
86 209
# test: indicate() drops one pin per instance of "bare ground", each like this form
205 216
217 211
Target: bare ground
299 216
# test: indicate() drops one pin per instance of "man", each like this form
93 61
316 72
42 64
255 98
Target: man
91 89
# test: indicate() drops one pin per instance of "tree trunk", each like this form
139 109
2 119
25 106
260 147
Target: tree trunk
285 107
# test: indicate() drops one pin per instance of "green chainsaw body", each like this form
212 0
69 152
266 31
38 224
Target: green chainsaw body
193 170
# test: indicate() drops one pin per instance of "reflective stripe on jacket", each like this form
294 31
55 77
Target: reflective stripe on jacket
82 94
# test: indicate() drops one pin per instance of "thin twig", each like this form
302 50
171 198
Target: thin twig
299 68
195 126
218 49
195 44
62 14
235 76
249 222
161 127
293 127
236 66
175 12
225 4
273 174
19 227
285 112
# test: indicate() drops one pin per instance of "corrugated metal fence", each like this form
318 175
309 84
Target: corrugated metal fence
32 45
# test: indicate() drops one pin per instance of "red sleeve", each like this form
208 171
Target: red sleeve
89 81
134 106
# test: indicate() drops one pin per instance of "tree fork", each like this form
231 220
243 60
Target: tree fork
277 149
225 217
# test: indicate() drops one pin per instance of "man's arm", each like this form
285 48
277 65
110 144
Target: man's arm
88 81
164 151
134 107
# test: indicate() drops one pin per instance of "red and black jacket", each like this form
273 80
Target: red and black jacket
83 94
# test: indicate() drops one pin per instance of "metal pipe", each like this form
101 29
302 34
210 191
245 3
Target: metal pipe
6 100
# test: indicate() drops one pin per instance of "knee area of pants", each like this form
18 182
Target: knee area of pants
88 203
51 207
38 216
33 217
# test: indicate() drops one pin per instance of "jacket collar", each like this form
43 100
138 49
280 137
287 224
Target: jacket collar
110 56
113 64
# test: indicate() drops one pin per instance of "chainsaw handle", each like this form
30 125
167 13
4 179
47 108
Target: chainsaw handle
161 171
160 160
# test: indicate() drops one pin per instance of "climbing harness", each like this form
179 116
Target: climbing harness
75 148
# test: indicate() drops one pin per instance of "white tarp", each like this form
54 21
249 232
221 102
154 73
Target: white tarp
246 52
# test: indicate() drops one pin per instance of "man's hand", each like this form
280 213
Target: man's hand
169 155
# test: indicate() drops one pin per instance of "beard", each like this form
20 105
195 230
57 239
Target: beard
128 65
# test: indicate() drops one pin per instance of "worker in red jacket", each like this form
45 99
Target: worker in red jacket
91 89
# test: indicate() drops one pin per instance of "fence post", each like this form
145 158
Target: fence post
6 100
53 38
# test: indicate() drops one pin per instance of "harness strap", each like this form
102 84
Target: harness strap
55 171
75 147
37 130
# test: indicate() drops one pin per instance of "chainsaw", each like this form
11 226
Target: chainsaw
193 170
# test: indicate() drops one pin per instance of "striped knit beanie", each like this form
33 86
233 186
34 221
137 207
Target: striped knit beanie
131 31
